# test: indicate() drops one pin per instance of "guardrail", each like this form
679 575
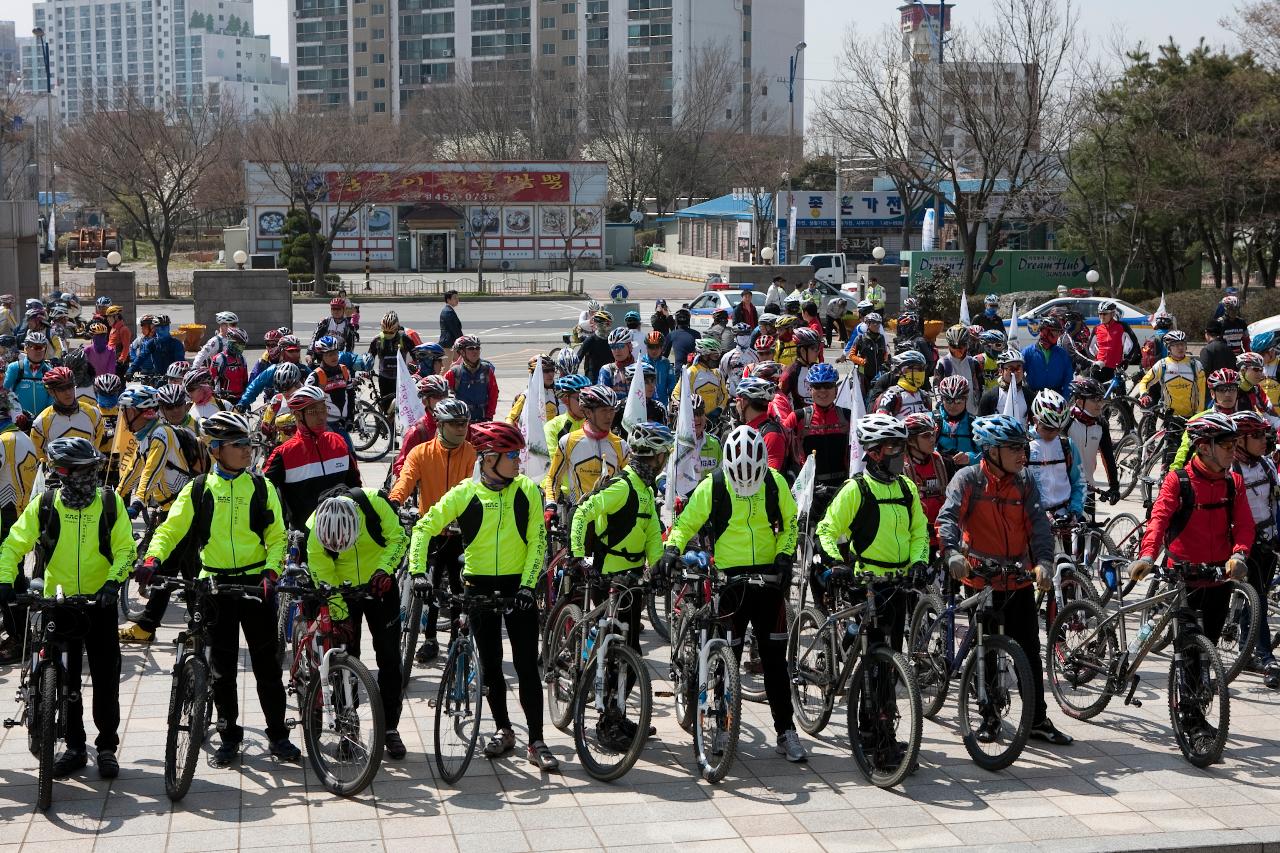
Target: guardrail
414 286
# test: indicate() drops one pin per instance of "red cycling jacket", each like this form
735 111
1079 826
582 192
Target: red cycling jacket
1109 339
1216 537
307 465
775 440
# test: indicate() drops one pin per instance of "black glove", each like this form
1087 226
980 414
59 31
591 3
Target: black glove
422 587
785 565
108 595
840 573
666 566
7 595
525 599
1112 496
919 571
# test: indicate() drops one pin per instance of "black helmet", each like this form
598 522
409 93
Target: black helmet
72 453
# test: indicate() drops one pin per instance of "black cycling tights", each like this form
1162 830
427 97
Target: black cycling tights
764 608
522 631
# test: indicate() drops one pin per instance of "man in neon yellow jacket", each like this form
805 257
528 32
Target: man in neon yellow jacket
355 537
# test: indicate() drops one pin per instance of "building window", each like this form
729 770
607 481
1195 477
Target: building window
568 35
380 107
362 47
360 23
379 82
379 33
378 9
379 58
362 72
362 96
569 60
569 8
549 49
548 23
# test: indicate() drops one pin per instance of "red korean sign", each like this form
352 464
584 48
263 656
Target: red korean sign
480 186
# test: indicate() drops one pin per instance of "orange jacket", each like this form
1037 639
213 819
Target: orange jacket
433 469
121 337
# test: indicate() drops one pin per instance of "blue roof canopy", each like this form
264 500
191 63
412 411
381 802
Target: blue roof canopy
727 207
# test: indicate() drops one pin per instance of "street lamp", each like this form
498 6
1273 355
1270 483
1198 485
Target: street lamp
793 66
766 254
38 32
239 257
878 253
1092 277
113 260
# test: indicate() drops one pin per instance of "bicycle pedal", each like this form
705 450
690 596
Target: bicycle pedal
8 724
290 723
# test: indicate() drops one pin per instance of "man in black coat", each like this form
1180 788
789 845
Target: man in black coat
1216 353
450 325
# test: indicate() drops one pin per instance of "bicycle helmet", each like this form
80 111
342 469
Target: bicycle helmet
495 437
177 370
289 342
108 385
59 377
305 396
740 329
754 388
745 461
100 302
433 386
35 339
337 302
909 359
654 339
806 337
768 319
822 373
236 335
1246 360
1210 426
770 371
422 351
699 405
602 317
226 426
567 361
1250 423
59 312
172 395
1009 356
141 398
8 342
765 344
593 306
597 397
572 383
328 343
272 337
991 300
650 438
337 524
786 322
1051 324
1107 306
1049 409
226 317
451 409
113 310
1224 377
287 375
66 453
874 430
993 337
919 423
1230 302
1083 387
39 314
646 368
1175 336
954 388
620 336
791 299
283 330
545 361
466 341
196 378
390 321
958 336
865 305
907 323
707 346
630 316
873 317
998 431
97 327
1162 320
162 319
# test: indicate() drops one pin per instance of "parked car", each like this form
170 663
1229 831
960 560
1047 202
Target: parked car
1137 319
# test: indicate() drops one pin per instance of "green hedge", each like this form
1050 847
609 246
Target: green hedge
1193 307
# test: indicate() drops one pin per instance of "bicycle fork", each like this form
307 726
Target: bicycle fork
705 648
607 638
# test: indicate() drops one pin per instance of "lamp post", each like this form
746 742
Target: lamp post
113 261
239 258
38 32
793 67
1093 278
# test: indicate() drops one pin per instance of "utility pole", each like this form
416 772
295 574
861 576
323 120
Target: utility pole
794 66
38 32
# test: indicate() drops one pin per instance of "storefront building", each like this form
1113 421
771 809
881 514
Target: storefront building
867 220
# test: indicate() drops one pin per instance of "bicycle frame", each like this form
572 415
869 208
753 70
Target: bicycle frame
865 610
1128 668
608 630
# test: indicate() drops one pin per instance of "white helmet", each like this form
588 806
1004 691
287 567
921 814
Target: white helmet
226 317
746 460
337 524
1050 409
874 430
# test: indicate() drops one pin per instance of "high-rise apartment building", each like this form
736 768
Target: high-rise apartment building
375 56
10 64
201 51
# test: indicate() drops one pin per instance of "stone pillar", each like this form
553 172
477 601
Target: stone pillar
262 299
122 288
20 251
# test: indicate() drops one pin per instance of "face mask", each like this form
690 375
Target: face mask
79 486
646 469
887 467
99 341
107 402
913 380
990 312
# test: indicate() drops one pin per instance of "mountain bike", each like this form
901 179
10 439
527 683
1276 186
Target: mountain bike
287 619
562 658
997 696
372 434
830 655
1089 660
128 610
44 688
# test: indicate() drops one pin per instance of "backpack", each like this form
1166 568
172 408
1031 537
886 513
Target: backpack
50 521
600 543
866 522
372 523
1187 504
1149 348
194 453
722 504
197 536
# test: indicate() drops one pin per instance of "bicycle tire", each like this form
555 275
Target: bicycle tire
1122 535
368 427
563 666
661 621
47 724
188 701
410 625
461 698
724 714
344 668
284 614
926 644
1194 749
584 702
1117 418
1076 586
870 752
1021 669
812 697
1077 654
684 674
1235 646
1129 457
123 600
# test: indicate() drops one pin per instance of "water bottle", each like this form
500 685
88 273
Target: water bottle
1147 629
591 643
851 632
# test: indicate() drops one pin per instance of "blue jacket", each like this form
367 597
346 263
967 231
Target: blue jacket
28 384
1055 371
665 381
264 381
956 437
154 354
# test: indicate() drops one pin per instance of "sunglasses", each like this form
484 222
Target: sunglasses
239 442
471 349
1227 443
822 386
509 454
619 346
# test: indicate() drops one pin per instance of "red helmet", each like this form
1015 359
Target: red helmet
495 437
918 423
59 377
1250 423
337 302
765 343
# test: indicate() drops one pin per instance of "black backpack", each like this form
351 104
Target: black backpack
197 536
600 543
469 519
722 504
1187 504
50 522
866 522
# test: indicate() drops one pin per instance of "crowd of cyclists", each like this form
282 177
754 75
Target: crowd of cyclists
971 451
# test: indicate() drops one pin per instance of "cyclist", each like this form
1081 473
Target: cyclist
334 380
312 462
784 351
654 411
909 336
733 361
632 322
432 468
955 424
427 358
990 318
996 400
228 368
1113 344
286 381
594 352
337 325
107 389
1091 437
1154 349
1235 329
78 504
355 537
795 378
706 447
173 373
880 515
504 546
270 354
614 374
473 379
993 511
1216 353
654 343
36 325
927 469
204 403
156 351
587 455
907 394
102 357
869 352
1054 459
18 465
232 518
753 532
567 389
175 408
121 337
753 399
67 416
822 429
25 377
217 342
288 351
385 351
705 380
552 406
1177 380
993 343
1047 364
431 390
8 321
1224 386
1262 488
958 362
1257 392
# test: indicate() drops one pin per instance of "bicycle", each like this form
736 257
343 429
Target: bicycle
461 693
368 427
286 605
149 524
1089 660
830 655
341 712
43 689
994 671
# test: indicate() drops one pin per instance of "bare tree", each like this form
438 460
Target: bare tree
17 143
626 112
572 223
1257 25
149 161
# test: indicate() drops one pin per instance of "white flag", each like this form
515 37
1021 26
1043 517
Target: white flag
53 236
1013 327
964 309
1015 404
1160 309
849 388
802 489
856 413
533 422
682 473
928 230
636 410
408 405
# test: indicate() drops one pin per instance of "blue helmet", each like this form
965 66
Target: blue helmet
571 384
993 336
821 373
1259 343
143 397
631 315
423 350
998 431
650 438
326 344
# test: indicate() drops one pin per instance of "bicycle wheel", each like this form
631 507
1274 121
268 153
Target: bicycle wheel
564 663
410 624
1117 414
1079 656
458 710
1128 452
884 716
187 725
284 621
660 613
47 726
609 747
1238 641
124 599
995 716
1075 587
812 660
718 725
370 433
1122 536
345 736
684 673
1199 704
927 648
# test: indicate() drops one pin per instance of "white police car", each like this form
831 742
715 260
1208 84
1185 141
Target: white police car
1087 306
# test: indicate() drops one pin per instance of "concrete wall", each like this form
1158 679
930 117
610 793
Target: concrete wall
263 299
20 250
122 288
